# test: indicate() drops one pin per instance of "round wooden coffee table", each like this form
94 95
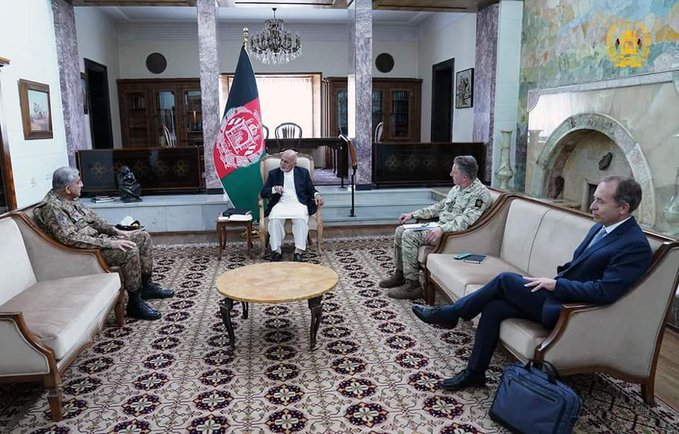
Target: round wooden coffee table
275 282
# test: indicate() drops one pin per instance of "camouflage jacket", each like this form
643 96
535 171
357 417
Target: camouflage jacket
460 209
72 223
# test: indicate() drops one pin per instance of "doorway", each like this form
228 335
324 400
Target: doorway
442 101
100 106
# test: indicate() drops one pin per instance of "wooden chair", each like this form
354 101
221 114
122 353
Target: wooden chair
288 135
268 163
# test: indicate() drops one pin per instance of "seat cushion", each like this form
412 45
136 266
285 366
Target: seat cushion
457 277
61 312
522 336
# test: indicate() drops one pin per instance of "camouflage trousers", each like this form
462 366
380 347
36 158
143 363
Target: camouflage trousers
133 263
406 246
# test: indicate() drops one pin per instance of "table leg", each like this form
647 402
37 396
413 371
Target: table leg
225 307
221 239
245 309
248 239
316 314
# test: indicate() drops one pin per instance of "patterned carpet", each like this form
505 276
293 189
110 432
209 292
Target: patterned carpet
374 368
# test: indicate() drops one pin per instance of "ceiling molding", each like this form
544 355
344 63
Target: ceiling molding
233 31
432 5
134 2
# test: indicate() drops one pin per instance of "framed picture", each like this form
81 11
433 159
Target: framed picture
83 89
464 88
36 113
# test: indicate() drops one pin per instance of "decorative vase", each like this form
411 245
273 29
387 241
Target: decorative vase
671 210
504 171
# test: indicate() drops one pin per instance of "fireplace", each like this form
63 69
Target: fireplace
578 135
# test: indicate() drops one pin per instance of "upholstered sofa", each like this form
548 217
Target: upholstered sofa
53 299
497 197
532 237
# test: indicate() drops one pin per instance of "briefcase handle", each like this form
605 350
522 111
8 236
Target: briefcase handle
546 367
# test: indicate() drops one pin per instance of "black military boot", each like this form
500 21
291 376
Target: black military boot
150 289
137 308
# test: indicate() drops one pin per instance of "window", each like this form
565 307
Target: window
285 98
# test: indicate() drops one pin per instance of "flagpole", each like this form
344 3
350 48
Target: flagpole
245 37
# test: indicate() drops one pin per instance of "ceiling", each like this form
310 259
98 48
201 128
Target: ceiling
397 12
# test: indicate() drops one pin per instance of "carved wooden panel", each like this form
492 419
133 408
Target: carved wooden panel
158 170
409 164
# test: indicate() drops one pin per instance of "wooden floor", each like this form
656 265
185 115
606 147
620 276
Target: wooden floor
667 374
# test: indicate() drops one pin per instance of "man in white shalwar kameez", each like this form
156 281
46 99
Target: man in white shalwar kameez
291 195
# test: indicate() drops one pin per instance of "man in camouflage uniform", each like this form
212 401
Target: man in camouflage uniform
63 216
464 204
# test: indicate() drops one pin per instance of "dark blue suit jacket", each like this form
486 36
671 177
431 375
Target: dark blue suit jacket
603 273
303 186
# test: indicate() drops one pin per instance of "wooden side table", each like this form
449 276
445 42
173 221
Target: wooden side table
223 224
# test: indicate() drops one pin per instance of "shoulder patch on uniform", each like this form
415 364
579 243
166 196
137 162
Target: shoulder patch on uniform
479 203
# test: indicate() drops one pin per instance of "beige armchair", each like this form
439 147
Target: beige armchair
268 163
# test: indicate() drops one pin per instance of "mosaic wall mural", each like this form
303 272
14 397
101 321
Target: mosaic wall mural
579 41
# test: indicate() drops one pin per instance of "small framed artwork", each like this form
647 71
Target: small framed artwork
83 89
464 88
36 112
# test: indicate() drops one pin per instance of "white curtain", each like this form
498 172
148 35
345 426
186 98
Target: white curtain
286 99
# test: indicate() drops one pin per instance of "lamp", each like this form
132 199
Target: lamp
274 44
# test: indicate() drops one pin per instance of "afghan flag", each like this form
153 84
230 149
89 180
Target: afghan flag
240 142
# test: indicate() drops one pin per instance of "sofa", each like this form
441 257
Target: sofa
532 237
53 300
497 197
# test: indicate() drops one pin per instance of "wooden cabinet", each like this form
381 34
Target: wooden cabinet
395 101
160 113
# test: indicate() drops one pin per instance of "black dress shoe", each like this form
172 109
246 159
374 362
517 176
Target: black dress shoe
136 308
436 315
297 257
463 380
276 257
153 290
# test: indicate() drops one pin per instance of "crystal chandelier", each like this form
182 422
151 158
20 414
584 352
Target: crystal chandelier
274 44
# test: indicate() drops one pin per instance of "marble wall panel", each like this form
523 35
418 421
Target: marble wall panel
209 85
69 77
485 71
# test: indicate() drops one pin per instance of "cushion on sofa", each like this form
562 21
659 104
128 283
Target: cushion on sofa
554 246
61 312
15 266
522 336
521 226
456 275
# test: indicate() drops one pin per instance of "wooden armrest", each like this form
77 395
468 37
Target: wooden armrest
567 311
18 339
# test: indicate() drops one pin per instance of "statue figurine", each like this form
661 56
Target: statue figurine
129 188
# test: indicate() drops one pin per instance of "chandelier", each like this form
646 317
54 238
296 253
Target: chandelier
274 44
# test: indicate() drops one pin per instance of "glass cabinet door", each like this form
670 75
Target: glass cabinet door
193 111
167 119
137 128
376 108
400 106
342 112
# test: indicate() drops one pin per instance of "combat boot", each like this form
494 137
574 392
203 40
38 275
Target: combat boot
150 289
397 279
410 291
137 308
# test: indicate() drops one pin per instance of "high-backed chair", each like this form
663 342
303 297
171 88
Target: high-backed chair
265 130
268 163
288 135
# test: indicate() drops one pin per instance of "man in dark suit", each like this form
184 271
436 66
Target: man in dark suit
291 195
610 260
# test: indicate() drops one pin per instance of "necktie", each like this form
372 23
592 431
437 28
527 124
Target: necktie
599 235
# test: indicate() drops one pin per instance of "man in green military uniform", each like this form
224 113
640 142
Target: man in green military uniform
63 216
465 203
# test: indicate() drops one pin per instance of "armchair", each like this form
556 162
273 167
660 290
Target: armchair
267 164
